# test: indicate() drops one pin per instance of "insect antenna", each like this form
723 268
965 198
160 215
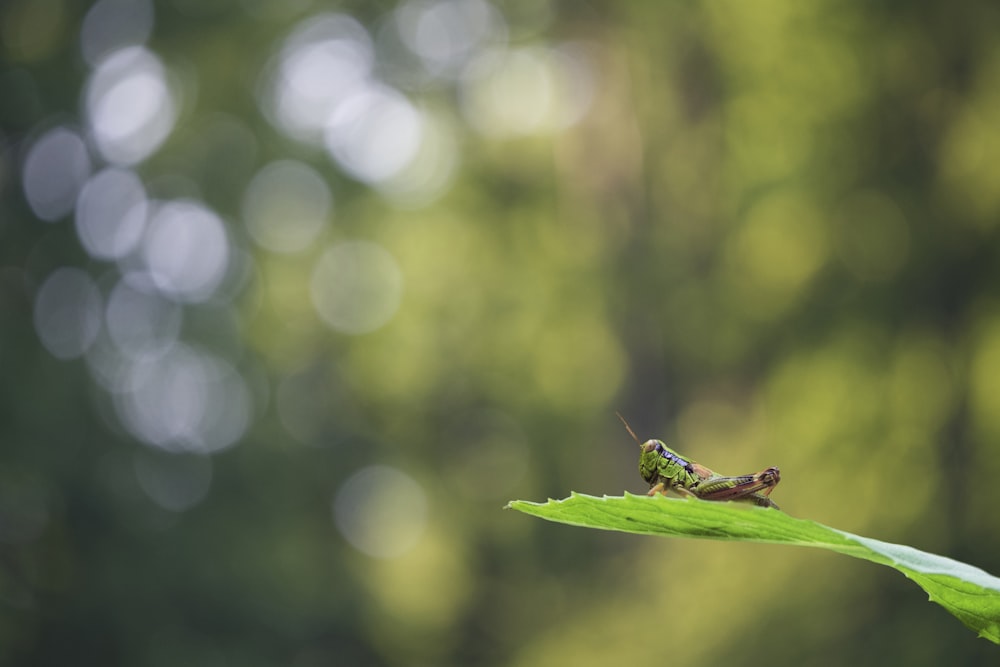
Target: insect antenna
629 429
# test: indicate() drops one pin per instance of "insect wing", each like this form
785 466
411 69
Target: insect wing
732 488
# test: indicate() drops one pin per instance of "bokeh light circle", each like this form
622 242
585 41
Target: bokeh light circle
68 313
114 24
375 134
175 482
286 206
55 169
322 63
356 287
129 106
141 322
183 399
111 214
526 90
186 250
381 511
445 34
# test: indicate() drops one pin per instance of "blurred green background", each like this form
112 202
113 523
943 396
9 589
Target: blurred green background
294 296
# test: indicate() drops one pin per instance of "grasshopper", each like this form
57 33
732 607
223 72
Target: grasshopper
666 470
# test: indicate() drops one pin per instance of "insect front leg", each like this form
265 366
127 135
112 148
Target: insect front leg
664 489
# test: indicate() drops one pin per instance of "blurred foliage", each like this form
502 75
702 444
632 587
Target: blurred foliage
766 231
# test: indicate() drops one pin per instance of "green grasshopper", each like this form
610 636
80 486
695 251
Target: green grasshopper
666 470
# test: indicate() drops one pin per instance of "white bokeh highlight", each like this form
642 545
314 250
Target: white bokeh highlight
431 171
141 322
186 250
381 511
111 214
67 314
56 167
175 482
445 35
286 206
113 24
526 91
325 60
183 400
374 135
356 287
129 106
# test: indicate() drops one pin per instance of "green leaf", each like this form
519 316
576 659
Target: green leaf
970 594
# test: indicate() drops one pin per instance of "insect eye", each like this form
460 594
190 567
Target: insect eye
652 446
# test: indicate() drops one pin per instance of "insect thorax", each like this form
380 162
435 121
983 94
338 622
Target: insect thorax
658 463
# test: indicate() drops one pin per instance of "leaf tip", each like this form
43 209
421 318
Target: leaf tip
518 505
